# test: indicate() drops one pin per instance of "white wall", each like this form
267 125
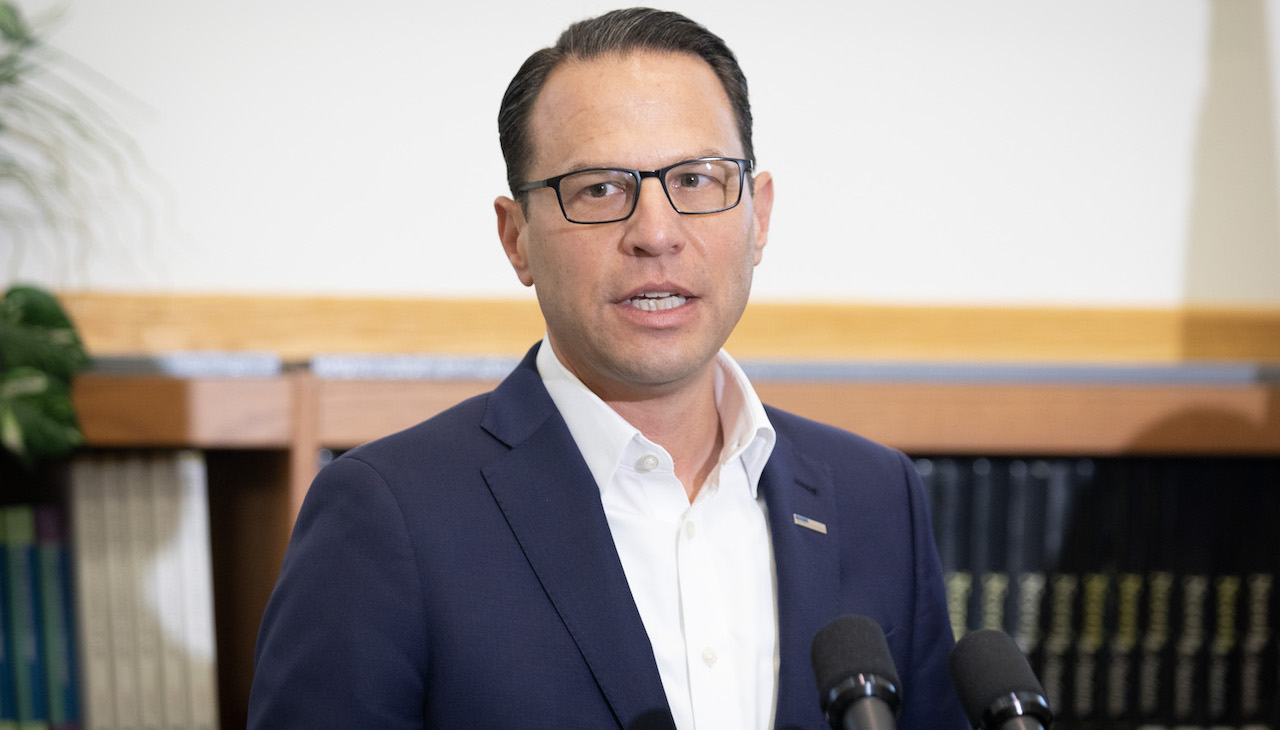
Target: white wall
925 151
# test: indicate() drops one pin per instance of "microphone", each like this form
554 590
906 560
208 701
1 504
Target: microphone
857 682
996 685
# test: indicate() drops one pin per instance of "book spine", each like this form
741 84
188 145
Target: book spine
122 590
8 690
170 609
1088 662
1259 674
1194 589
140 546
57 603
1121 688
1154 651
1063 594
1257 659
26 633
1227 581
953 541
88 498
1028 484
1156 640
1134 496
991 511
198 597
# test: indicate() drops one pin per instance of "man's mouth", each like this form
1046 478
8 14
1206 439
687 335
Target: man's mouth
657 301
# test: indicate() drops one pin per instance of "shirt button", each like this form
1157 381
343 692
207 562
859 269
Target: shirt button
648 462
709 656
690 530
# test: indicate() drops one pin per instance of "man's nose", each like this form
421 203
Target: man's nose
654 228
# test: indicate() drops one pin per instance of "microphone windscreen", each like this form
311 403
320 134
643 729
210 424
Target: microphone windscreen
848 646
987 665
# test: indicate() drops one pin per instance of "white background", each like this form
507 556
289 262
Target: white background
925 151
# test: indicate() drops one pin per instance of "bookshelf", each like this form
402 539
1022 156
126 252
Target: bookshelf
262 436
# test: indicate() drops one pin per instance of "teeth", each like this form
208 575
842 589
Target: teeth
655 301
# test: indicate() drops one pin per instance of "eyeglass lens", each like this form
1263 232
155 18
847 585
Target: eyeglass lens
700 186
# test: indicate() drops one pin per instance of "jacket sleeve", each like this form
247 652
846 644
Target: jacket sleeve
342 642
932 703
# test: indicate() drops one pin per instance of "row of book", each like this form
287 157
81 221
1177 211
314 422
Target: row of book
111 622
1141 590
38 671
145 590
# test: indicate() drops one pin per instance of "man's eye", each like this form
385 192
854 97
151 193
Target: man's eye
691 180
600 190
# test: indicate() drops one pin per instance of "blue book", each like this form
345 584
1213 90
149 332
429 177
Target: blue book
59 618
8 694
25 617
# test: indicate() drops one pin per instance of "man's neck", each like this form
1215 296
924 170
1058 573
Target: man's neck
686 423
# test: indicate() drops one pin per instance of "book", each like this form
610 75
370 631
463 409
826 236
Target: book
140 547
122 592
1027 514
197 574
1099 491
25 632
1154 681
1136 495
1193 568
166 593
8 689
143 575
1063 586
57 602
988 548
1226 571
952 526
87 497
1259 676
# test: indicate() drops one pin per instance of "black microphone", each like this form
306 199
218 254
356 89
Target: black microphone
996 685
857 682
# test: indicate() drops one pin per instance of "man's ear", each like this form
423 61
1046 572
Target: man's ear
511 227
762 209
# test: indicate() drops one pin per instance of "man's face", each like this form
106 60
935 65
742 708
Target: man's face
640 111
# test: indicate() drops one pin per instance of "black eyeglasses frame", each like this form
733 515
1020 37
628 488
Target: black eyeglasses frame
744 168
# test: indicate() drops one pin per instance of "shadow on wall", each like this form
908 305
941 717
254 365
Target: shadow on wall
1231 431
1233 247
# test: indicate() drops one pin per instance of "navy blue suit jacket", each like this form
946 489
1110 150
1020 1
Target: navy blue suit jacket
461 574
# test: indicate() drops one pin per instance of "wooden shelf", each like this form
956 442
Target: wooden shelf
917 417
137 411
300 411
1096 420
265 433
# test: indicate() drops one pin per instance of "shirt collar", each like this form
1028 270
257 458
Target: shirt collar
602 435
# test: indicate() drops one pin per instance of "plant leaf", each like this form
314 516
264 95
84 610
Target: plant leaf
36 332
37 416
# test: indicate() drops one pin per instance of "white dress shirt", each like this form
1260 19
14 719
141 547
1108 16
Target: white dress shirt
701 574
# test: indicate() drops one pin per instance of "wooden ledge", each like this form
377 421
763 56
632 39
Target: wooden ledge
298 327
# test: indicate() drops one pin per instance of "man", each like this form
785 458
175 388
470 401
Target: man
620 531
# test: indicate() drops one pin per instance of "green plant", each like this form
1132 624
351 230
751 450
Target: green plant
40 353
65 165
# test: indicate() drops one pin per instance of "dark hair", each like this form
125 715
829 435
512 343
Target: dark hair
619 31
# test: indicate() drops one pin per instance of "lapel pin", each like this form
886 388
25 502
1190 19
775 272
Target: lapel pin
811 524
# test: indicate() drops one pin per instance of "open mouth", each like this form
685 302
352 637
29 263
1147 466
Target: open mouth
657 301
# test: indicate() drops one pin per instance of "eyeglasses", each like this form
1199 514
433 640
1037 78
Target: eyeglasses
609 194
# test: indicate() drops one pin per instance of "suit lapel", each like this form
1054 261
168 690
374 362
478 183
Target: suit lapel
798 489
552 505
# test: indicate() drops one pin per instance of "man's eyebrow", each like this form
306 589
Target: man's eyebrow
593 165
